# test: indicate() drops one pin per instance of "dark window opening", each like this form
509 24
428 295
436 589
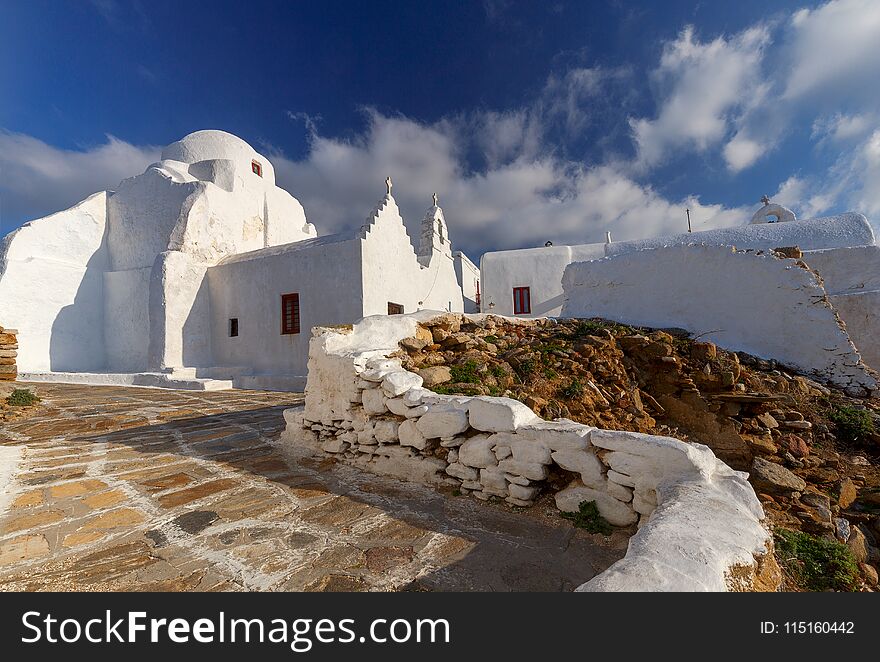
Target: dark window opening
257 168
522 301
289 313
233 327
395 309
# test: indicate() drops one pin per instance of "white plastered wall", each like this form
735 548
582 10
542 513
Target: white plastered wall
392 273
51 288
744 301
324 272
541 268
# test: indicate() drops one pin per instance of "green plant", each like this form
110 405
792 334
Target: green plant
452 390
587 328
465 373
498 372
21 397
588 517
526 368
818 564
574 389
495 391
853 425
491 339
550 373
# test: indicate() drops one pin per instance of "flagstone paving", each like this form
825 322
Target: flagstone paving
157 490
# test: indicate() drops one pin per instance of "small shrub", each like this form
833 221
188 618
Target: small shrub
466 373
853 425
492 340
550 373
452 390
817 564
587 328
526 368
588 517
574 389
21 397
498 372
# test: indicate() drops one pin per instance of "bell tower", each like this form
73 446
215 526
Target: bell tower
434 235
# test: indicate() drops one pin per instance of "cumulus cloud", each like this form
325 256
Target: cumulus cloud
702 87
523 200
834 49
37 179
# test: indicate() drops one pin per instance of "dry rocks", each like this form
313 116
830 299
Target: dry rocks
8 354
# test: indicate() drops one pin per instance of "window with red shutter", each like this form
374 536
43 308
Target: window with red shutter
289 313
257 168
522 301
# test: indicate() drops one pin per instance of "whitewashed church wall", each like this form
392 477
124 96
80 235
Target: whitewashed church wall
127 319
179 313
249 288
861 313
51 288
468 276
847 270
741 300
391 271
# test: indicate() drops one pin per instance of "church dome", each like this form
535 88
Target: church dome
212 144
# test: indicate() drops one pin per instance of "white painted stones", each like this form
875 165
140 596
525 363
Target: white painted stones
446 422
458 470
493 479
561 435
616 512
386 432
398 383
586 464
477 452
374 402
397 406
409 435
522 493
499 414
530 470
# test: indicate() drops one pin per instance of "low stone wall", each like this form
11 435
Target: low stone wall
8 354
699 521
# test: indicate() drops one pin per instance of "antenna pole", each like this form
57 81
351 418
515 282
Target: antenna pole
688 212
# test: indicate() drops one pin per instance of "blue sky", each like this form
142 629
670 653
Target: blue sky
533 121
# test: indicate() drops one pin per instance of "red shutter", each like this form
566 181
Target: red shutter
522 301
289 313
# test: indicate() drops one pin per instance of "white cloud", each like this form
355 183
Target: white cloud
703 87
37 179
523 200
834 49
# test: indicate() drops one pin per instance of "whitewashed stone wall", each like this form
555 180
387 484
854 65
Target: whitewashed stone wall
364 408
749 301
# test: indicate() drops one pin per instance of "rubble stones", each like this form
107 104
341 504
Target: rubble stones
772 477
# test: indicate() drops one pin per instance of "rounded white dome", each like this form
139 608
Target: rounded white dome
211 144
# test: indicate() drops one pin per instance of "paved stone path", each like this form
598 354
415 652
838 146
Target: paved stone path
145 489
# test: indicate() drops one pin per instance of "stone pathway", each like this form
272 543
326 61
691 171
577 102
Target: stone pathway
146 489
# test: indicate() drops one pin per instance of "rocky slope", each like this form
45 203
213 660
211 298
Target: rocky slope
811 450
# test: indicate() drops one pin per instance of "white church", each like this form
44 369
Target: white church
843 250
202 273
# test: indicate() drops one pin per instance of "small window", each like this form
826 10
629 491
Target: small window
289 313
233 327
522 301
395 309
257 168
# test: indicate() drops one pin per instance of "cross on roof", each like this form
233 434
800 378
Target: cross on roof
765 199
434 198
388 185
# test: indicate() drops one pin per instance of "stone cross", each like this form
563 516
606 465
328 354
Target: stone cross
765 199
388 185
434 198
